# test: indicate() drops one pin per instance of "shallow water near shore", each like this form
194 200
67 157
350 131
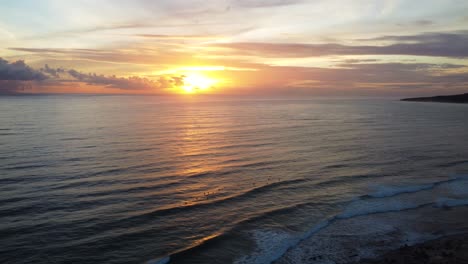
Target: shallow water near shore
134 179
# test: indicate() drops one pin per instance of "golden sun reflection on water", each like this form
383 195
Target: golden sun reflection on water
199 143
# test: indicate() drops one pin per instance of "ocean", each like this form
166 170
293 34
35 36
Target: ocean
148 179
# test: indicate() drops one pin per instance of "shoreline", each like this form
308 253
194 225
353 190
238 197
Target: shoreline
451 249
454 99
377 238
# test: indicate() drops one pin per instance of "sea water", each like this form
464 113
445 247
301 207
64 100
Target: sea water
147 179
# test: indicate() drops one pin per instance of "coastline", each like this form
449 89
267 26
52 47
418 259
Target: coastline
424 235
451 249
455 99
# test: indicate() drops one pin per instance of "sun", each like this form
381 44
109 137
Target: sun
196 82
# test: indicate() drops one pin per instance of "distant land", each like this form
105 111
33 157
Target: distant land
459 99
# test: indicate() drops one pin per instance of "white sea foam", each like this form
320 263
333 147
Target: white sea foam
383 191
459 187
386 200
354 239
315 229
272 245
360 208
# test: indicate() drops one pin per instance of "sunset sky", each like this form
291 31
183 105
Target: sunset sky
235 47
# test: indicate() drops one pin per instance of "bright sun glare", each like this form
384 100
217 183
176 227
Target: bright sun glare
196 82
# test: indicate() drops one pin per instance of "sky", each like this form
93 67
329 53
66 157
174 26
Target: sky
235 47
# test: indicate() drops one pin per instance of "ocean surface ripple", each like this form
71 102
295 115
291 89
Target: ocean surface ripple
134 179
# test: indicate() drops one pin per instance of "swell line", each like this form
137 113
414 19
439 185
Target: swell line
337 217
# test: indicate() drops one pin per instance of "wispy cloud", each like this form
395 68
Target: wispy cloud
432 37
361 78
264 3
434 44
179 37
137 55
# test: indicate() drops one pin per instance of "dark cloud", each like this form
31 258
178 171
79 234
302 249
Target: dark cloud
17 76
130 83
418 23
53 72
19 71
439 37
433 44
401 67
424 22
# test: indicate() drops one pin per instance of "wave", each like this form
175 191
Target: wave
272 245
26 167
184 254
240 196
164 212
73 139
387 191
390 191
9 134
345 179
450 202
452 164
359 209
249 145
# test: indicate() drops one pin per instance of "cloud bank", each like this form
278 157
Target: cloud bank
130 83
18 77
19 71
